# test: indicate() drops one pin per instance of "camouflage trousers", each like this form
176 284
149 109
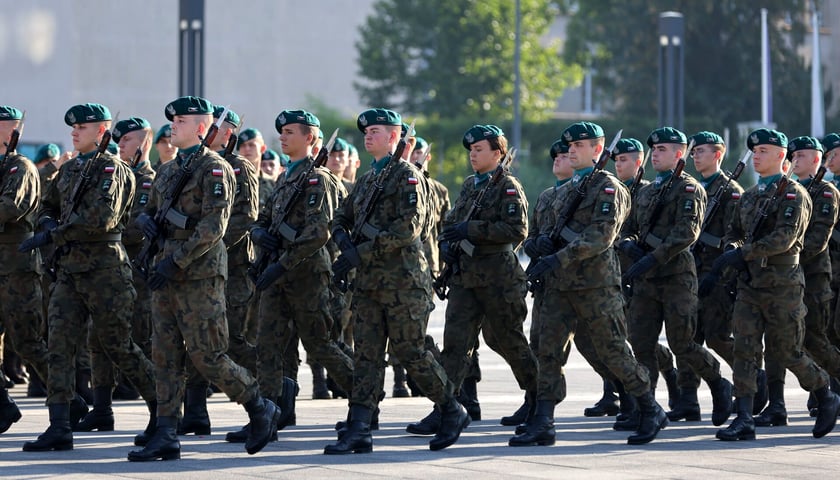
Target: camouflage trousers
817 298
670 301
238 293
498 313
189 319
397 317
664 356
22 317
594 319
295 308
778 316
106 297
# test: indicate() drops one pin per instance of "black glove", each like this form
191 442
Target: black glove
265 240
641 267
707 283
733 258
632 250
545 245
270 275
455 233
164 271
38 240
346 261
342 239
530 247
542 266
147 225
447 254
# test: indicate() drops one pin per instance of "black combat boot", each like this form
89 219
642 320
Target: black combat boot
196 419
286 403
59 435
468 397
400 389
721 400
540 429
78 410
775 414
674 393
607 406
687 407
627 419
319 382
9 411
101 418
429 425
828 404
743 427
163 445
521 414
811 405
762 394
342 425
453 420
651 419
82 389
356 437
142 438
263 415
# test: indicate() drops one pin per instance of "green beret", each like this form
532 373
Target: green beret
352 149
377 116
164 131
707 138
582 131
188 105
87 113
10 113
270 155
421 144
129 125
113 148
764 136
405 129
231 117
49 150
249 134
803 143
320 134
627 145
340 145
477 133
559 146
831 141
302 117
666 135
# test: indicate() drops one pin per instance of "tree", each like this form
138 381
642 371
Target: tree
451 58
722 58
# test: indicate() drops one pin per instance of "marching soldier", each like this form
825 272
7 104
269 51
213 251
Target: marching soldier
166 151
831 143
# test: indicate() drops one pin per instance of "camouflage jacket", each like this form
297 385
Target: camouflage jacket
440 205
265 186
834 249
542 218
84 240
144 176
20 192
394 258
815 256
244 211
780 238
206 201
308 221
588 259
677 227
710 244
500 225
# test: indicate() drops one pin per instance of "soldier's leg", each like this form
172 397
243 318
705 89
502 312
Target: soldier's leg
20 307
68 315
369 326
464 314
273 337
644 322
558 321
238 293
715 320
816 343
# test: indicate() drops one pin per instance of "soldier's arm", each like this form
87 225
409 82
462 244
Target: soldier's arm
630 227
687 221
19 194
794 211
607 213
245 204
511 224
317 201
823 218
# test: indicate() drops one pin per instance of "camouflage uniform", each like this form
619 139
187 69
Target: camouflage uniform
93 277
816 268
833 329
769 303
285 312
189 310
668 293
440 204
488 289
392 288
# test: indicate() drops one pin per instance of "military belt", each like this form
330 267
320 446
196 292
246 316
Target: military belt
481 250
15 237
102 237
711 240
780 260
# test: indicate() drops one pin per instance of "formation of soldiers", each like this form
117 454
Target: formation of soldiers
219 263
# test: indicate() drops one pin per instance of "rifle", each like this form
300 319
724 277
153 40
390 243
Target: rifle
11 145
441 283
639 174
279 227
138 154
714 205
233 139
167 212
767 206
817 179
660 200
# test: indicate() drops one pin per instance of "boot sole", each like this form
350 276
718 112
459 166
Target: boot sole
196 431
540 443
57 448
687 418
642 441
164 457
747 436
347 452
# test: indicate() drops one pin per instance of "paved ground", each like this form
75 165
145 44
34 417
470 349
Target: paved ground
586 447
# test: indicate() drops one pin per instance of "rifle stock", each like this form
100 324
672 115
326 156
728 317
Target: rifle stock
11 146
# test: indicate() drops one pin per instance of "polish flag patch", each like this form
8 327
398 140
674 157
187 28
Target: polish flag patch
609 190
218 172
313 181
147 185
790 196
412 180
109 169
510 191
690 188
13 169
237 171
828 194
736 195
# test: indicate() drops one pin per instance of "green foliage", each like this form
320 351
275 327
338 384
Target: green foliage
447 58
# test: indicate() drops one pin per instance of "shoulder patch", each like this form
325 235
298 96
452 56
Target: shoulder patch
510 191
828 193
736 195
218 172
237 171
690 188
13 169
412 180
109 169
313 181
790 196
609 190
146 185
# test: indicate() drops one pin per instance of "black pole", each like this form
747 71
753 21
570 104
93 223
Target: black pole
191 47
